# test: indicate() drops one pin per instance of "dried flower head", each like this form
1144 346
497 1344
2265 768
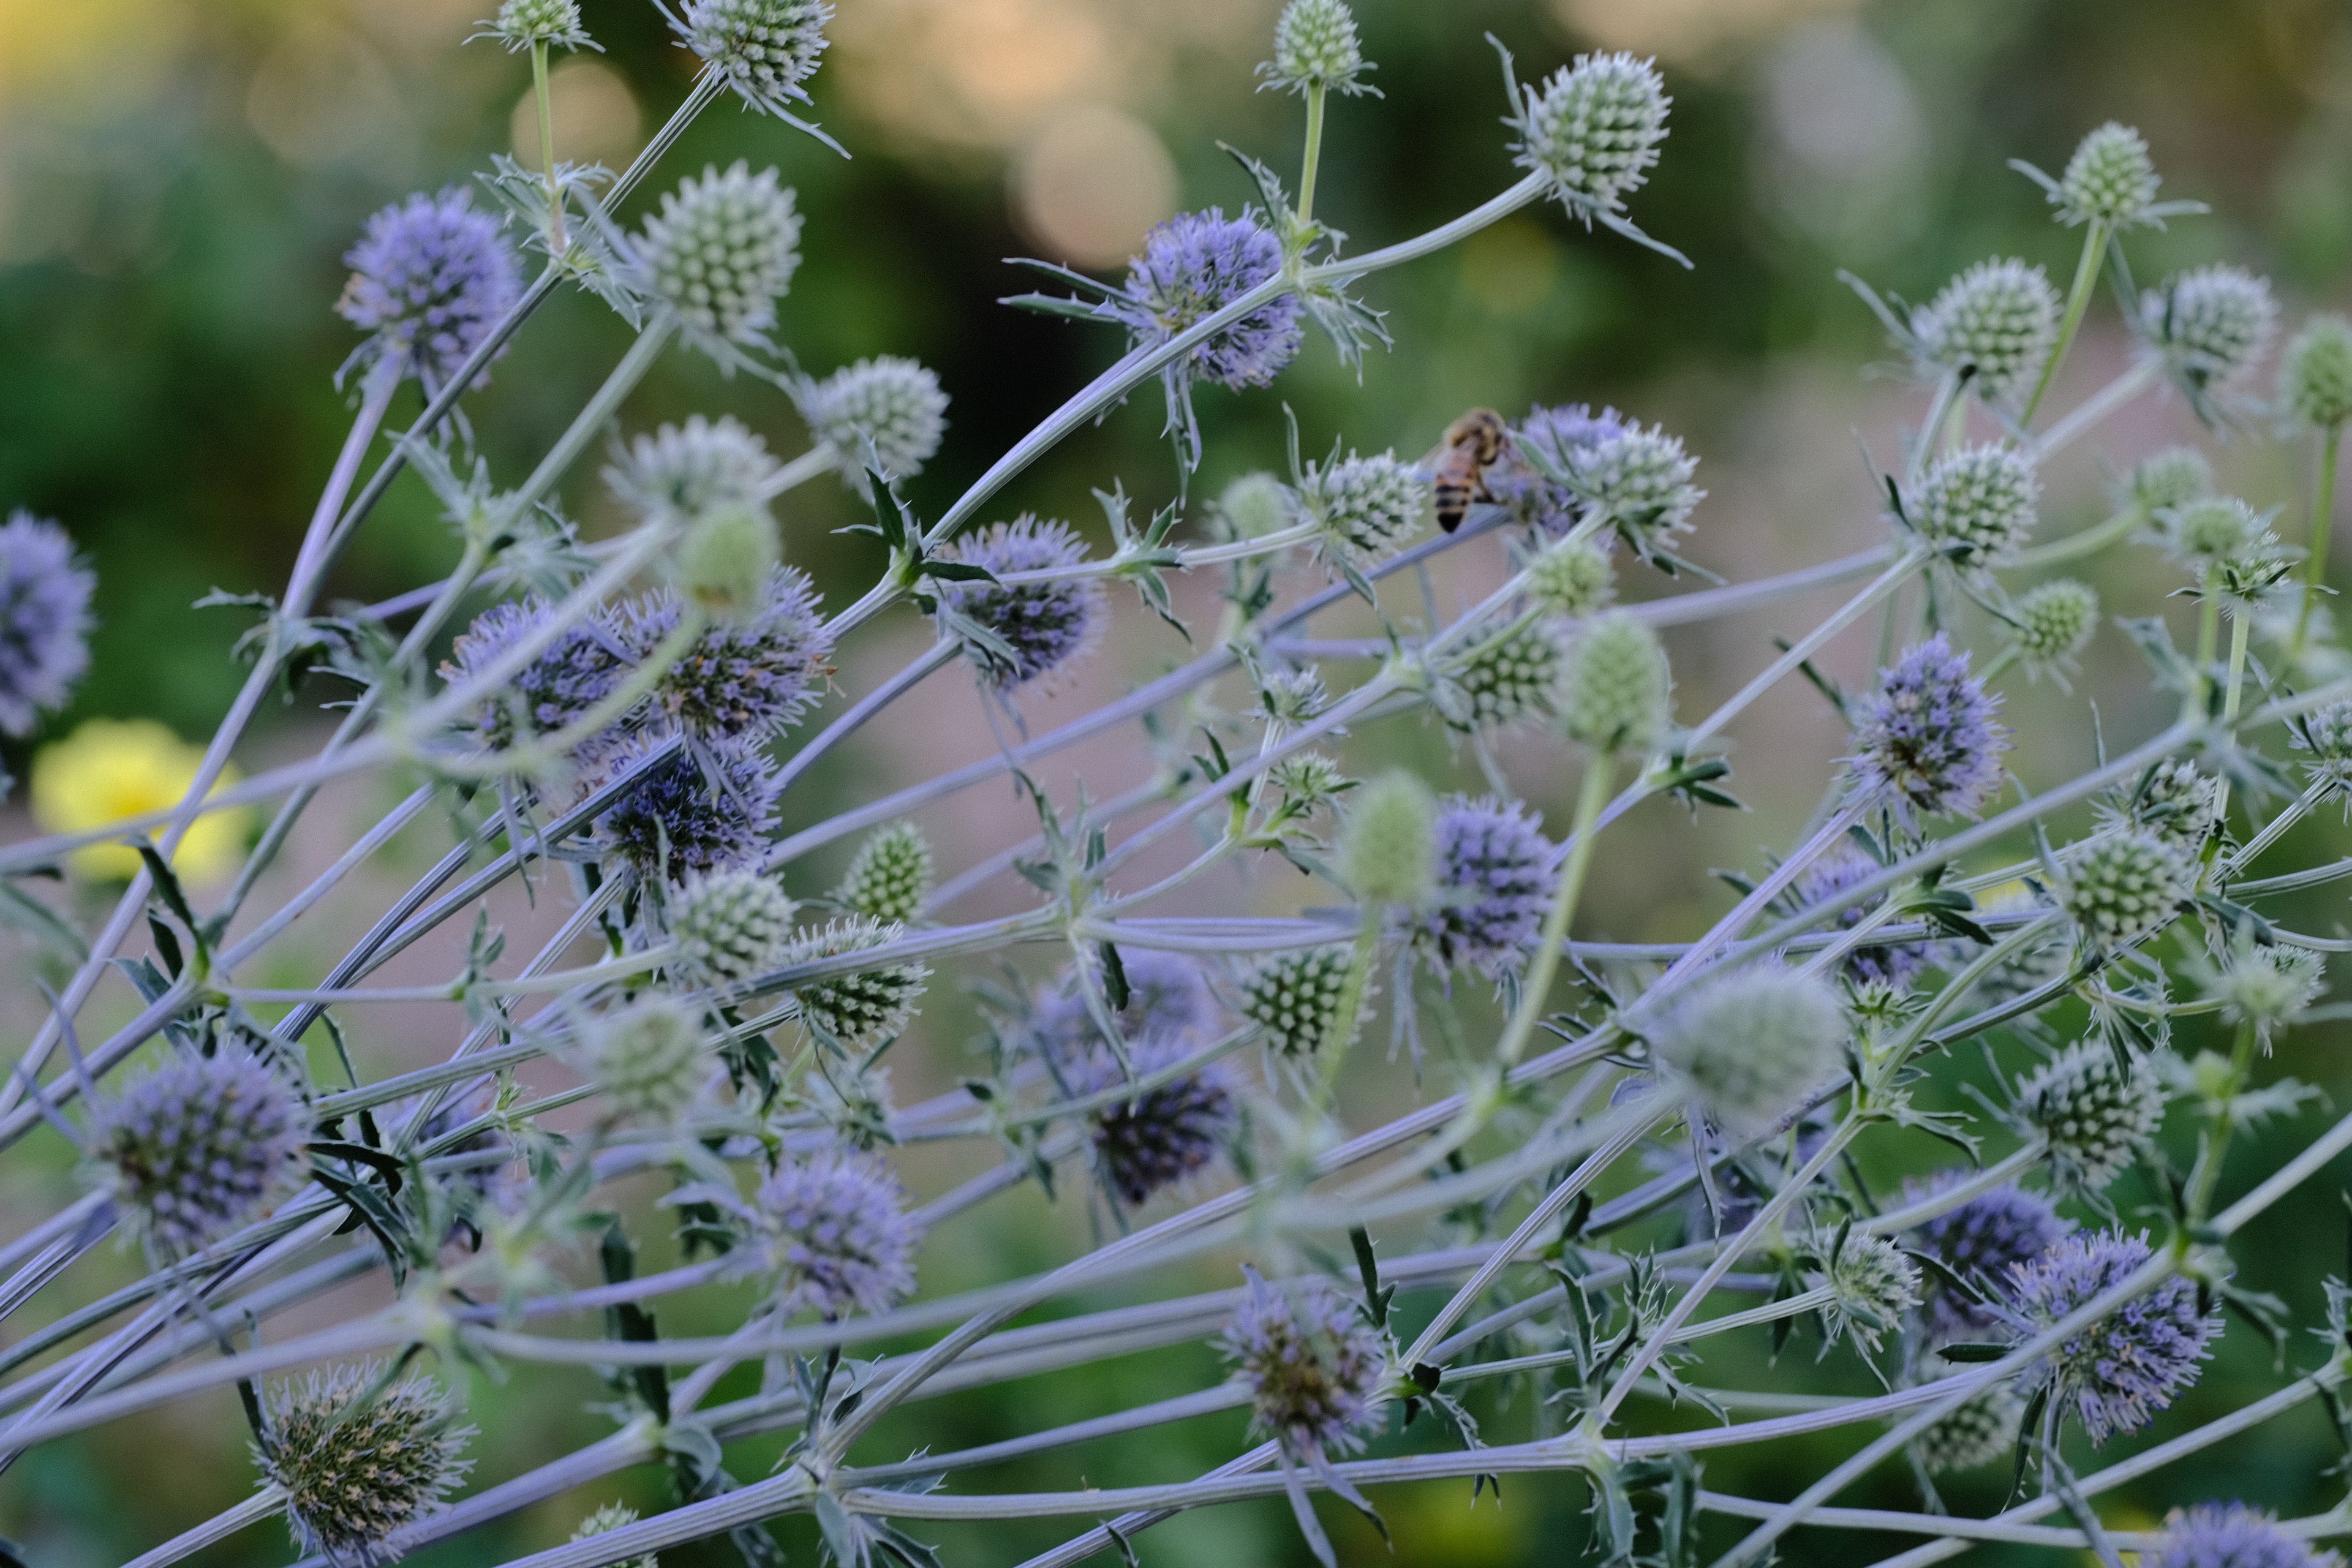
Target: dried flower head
1979 1242
359 1462
1311 1362
1892 964
1016 632
723 247
1617 692
2095 1114
1495 874
1572 579
1927 742
2118 1373
1749 1046
1366 507
731 926
682 471
1388 850
44 620
2213 323
700 809
2110 179
2216 1535
1296 999
1316 47
2055 622
1977 506
886 411
429 278
856 1011
198 1147
1594 129
2315 372
1157 1136
1997 320
2125 886
831 1232
890 875
1194 265
744 678
764 48
646 1058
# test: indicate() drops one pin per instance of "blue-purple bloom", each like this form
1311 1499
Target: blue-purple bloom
1168 999
705 808
198 1147
1161 1135
2119 1372
1926 742
1495 879
1025 630
1894 964
2232 1535
830 1229
1194 265
745 678
1981 1242
1311 1362
567 678
1551 443
429 278
44 620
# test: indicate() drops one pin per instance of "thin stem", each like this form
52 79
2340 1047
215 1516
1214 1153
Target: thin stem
1313 156
556 241
2078 298
2323 529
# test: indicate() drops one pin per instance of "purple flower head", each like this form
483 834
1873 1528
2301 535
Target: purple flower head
1160 1136
1194 265
2119 1372
1896 964
575 673
1981 1241
429 278
1168 1001
1311 1362
44 620
2217 1535
1025 630
198 1147
706 807
1552 441
834 1231
1494 880
745 678
1927 742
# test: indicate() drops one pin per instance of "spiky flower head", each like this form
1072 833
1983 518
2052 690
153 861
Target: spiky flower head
1159 1136
1572 579
1747 1047
1016 632
2211 531
765 49
1871 1286
2232 1535
646 1059
700 809
2266 986
44 620
1388 847
610 1518
723 247
1296 999
1194 265
2213 323
522 24
1309 781
743 678
1365 506
830 1229
1979 1243
1998 319
198 1147
1977 506
358 1462
1550 441
1927 741
1315 46
886 411
730 925
681 471
1252 507
1594 129
2055 622
1981 1429
1513 676
560 686
2118 1373
890 875
1640 480
2169 479
429 278
856 1011
2097 1114
2175 801
2315 372
2325 736
2110 179
1168 1000
1617 692
2122 887
1292 697
1311 1362
1495 878
1893 966
726 560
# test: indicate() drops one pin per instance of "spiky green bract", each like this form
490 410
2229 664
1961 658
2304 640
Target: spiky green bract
2324 736
1315 46
1516 677
198 1147
722 250
890 875
2315 372
1312 1362
2095 1114
2210 531
857 1011
2055 622
1573 578
730 925
1594 129
1388 852
357 1467
1871 1286
886 411
1308 780
1746 1048
1367 507
727 560
1616 693
1999 320
611 1517
647 1060
2122 887
1980 1430
2266 986
1296 999
2110 179
2169 479
1977 506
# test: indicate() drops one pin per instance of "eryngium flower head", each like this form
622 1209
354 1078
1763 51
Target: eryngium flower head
682 471
725 560
832 1231
1252 507
2121 887
561 684
1871 1286
1894 964
702 808
890 875
1927 742
1979 1242
2326 734
2215 1535
44 620
887 411
1594 129
1977 1431
429 278
1167 1002
1388 850
1159 1136
354 1473
1574 580
1616 693
2266 986
1495 879
1977 506
1315 46
1514 677
2213 323
723 247
198 1147
2055 621
1998 319
607 1519
1550 440
856 1011
1639 479
2175 801
2169 479
1311 1362
2211 531
741 679
1309 781
2315 372
1194 265
2110 179
1015 632
2095 1114
647 1060
764 48
1747 1047
521 24
2119 1372
1296 999
1366 506
730 925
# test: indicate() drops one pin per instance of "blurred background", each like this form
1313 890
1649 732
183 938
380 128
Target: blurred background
178 183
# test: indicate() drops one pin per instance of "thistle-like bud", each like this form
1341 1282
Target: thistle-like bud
2123 886
198 1147
1747 1047
2110 179
2095 1114
646 1059
1308 780
522 24
1367 507
1315 46
1981 1429
763 48
2055 622
1594 129
1311 1362
2315 372
1292 697
2213 530
1294 997
2167 480
1639 479
723 247
607 1519
1388 852
730 925
1998 319
2213 323
2175 801
354 1468
1515 677
1871 1286
1617 692
682 471
1572 579
726 560
859 1010
1253 506
887 411
2325 736
890 875
1976 505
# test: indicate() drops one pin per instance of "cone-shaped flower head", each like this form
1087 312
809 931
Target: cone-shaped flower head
723 249
1495 878
763 48
646 1059
1927 742
2213 323
1747 1047
730 925
521 24
1572 579
2324 736
2216 1535
744 679
1194 265
1016 632
1388 851
2169 479
1367 507
1979 1431
1168 999
44 620
1296 999
1311 1362
2055 622
2266 986
1871 1286
1616 693
2175 801
1315 46
1513 677
1998 319
356 1468
2315 372
700 809
1157 1136
1594 129
561 684
2122 887
1977 506
681 471
1550 442
2110 179
857 1011
429 278
2118 1373
1979 1242
2096 1115
831 1229
1640 480
888 411
199 1147
891 875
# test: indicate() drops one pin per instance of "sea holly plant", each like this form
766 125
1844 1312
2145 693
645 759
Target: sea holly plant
1591 1180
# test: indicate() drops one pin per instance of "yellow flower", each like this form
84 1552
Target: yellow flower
110 769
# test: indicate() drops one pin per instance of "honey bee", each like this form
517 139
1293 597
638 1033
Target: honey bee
1473 444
